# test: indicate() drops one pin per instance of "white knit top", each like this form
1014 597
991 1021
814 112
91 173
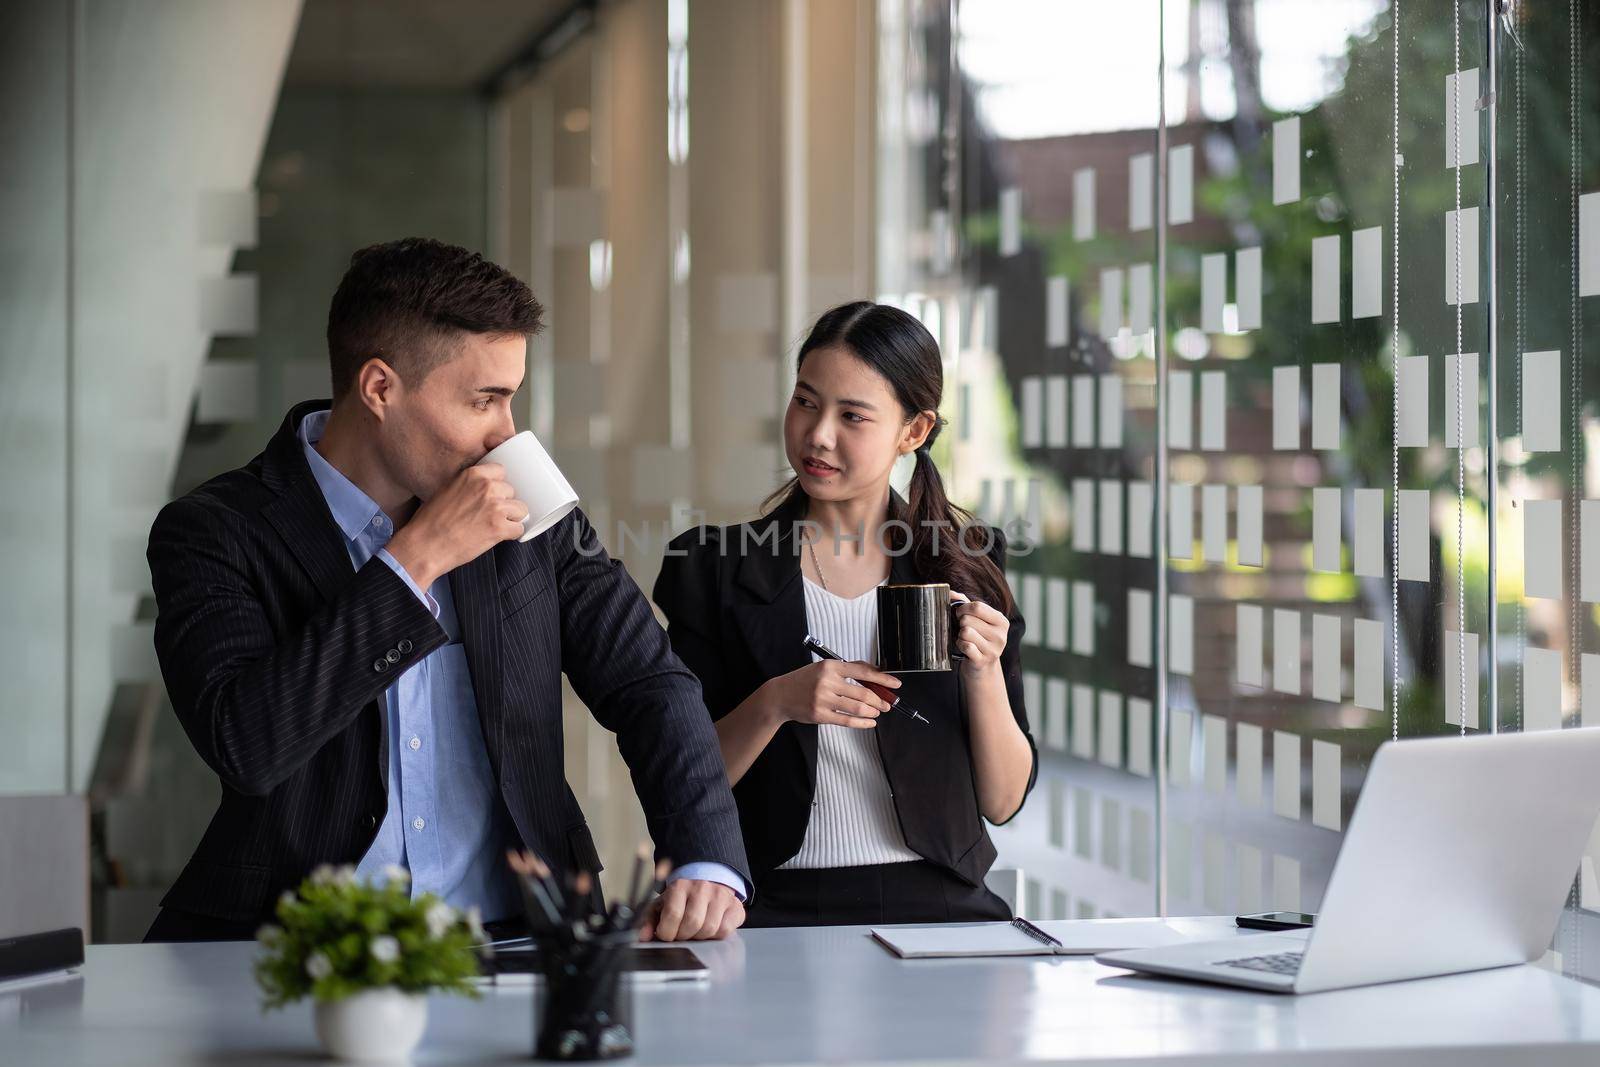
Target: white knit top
852 823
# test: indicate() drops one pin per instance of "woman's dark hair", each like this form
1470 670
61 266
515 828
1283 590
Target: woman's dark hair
948 544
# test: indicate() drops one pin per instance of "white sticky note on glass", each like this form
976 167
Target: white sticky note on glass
1110 835
1180 521
1141 190
1180 745
1285 884
1589 245
1083 618
1247 740
1286 651
1325 406
1180 185
1541 402
1141 519
1213 410
1461 231
1248 623
1055 311
1110 411
1327 654
1214 743
1248 524
1083 722
1589 708
1213 290
1083 204
1325 279
1368 673
1286 160
1541 689
1140 605
1110 517
1010 221
1032 412
1180 410
1139 736
1589 551
1413 563
1325 786
1055 411
1214 871
1141 298
1055 628
1541 549
1180 621
1326 547
1461 389
1110 746
1413 375
1461 118
1247 287
1083 411
1056 819
1366 273
1248 898
1286 774
1083 528
1286 407
1082 827
1214 523
1460 684
1055 708
1368 533
1032 606
1110 302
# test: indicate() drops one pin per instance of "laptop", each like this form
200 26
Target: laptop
1459 856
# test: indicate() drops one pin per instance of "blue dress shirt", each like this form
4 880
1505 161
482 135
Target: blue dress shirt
445 822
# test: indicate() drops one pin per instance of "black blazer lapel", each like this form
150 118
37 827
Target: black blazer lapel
299 513
475 588
772 620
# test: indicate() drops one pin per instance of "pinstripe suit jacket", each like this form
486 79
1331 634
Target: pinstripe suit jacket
275 652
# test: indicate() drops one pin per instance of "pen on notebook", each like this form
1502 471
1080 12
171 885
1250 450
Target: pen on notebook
882 692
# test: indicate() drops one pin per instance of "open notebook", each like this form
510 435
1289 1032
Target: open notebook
1019 937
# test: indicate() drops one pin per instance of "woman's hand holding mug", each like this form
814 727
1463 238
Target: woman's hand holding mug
981 637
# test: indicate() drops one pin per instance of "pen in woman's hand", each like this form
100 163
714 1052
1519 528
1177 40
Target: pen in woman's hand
882 692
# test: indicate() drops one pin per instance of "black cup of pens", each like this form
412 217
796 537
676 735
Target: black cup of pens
586 1012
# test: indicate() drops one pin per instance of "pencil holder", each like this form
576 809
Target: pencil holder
586 1012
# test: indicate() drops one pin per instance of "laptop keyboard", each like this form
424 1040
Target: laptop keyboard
1278 963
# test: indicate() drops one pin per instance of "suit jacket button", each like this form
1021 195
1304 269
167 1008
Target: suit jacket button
372 820
393 655
404 645
380 665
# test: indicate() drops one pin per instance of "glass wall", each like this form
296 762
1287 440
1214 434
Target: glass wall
1224 353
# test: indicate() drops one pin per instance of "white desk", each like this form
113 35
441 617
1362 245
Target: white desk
833 996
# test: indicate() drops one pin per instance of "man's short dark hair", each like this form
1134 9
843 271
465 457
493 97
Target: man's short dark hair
408 302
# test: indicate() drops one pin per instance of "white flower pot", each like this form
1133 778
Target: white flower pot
375 1026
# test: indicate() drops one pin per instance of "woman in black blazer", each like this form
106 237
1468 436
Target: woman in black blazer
851 812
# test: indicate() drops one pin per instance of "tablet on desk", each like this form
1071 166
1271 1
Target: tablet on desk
671 963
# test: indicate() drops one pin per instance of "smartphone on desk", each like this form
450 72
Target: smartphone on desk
667 963
1276 920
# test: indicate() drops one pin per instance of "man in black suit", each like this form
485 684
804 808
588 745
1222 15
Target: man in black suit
357 643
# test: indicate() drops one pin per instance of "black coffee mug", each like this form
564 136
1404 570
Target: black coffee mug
915 624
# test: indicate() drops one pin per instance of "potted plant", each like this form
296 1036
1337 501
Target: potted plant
367 953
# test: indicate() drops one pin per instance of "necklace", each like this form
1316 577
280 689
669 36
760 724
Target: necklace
812 545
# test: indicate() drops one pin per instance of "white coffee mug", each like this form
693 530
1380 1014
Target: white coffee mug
537 481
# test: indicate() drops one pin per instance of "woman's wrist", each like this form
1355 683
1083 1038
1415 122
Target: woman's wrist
766 707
